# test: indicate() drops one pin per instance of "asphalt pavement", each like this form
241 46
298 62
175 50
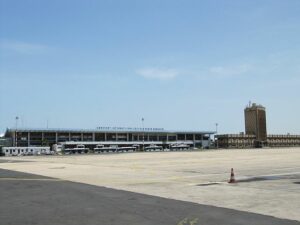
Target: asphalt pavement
27 199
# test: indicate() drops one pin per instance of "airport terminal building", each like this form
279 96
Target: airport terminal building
108 136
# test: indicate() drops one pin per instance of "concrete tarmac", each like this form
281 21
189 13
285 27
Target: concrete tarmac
268 178
27 199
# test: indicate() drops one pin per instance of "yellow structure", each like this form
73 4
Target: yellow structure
255 122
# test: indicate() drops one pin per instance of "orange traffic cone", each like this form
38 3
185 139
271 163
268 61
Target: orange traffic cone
232 179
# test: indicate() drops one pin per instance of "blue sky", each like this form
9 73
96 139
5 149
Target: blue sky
180 64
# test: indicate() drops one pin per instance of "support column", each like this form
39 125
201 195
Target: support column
81 136
69 136
56 137
127 136
105 137
42 139
93 136
116 136
28 139
14 138
194 140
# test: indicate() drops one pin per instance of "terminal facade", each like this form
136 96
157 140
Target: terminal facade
140 138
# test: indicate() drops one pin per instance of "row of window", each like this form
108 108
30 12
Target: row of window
61 137
19 150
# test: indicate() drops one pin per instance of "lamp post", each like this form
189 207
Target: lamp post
217 133
143 134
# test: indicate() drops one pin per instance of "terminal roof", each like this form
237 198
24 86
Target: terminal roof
133 130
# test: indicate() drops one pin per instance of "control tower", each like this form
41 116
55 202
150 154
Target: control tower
255 122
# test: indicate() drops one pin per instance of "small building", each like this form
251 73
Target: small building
236 140
249 141
19 151
286 140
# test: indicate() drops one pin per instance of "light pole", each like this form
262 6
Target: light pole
216 134
16 137
143 134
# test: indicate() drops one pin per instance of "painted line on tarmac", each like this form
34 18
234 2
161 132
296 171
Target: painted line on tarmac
31 179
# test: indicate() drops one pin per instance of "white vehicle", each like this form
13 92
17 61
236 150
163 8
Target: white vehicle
126 149
102 148
98 148
179 147
79 149
153 148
